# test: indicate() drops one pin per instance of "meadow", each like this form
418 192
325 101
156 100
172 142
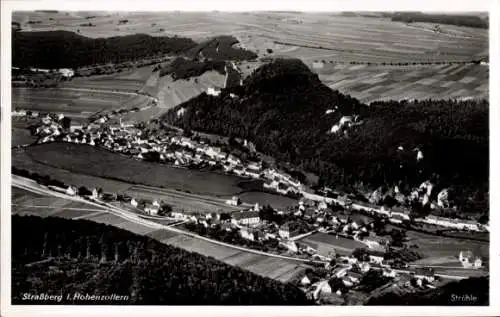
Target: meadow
94 161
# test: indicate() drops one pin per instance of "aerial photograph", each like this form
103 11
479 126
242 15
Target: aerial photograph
250 158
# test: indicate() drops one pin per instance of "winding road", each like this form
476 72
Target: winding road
32 186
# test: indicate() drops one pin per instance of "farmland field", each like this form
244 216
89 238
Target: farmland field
99 162
74 103
281 269
27 203
435 246
22 136
370 83
22 160
325 243
261 198
341 37
325 38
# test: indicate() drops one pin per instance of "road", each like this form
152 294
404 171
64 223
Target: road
34 187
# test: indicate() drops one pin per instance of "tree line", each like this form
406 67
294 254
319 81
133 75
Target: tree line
67 256
451 19
64 49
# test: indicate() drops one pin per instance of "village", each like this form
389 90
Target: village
361 257
360 248
182 151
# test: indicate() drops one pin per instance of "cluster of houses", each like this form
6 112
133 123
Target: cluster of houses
350 271
398 214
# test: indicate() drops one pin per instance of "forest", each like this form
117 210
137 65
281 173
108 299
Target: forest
477 288
282 108
221 48
182 68
61 256
452 19
64 49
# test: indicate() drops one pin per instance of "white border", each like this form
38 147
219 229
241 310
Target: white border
7 6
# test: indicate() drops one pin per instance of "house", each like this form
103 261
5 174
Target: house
322 288
468 260
234 201
66 72
347 281
322 205
396 218
246 218
354 277
375 256
211 91
426 273
247 233
374 241
96 193
152 209
289 230
228 226
255 166
388 272
305 281
71 190
134 202
252 174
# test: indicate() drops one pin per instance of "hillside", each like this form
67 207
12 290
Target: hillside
62 256
63 49
282 108
476 288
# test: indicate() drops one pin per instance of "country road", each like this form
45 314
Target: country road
36 188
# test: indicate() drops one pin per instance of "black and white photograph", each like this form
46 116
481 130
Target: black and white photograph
247 158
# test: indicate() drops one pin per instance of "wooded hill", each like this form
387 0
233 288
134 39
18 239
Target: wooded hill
282 109
65 49
60 256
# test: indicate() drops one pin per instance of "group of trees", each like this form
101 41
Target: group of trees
68 256
183 68
41 179
221 48
453 19
63 49
282 108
